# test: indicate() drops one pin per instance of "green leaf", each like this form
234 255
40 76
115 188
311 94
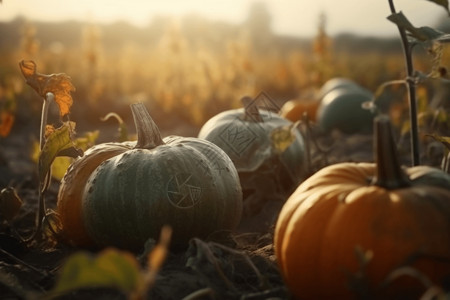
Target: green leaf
421 34
432 34
443 3
401 21
59 142
110 268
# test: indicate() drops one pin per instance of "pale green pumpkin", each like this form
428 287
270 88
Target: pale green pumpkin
245 134
187 183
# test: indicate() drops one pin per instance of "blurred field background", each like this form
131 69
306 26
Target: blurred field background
187 70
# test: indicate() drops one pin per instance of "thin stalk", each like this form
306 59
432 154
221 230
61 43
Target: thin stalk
42 185
44 116
407 50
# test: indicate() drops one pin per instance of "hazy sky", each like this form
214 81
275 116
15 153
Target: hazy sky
292 17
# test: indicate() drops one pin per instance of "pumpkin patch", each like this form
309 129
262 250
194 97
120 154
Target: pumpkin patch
343 193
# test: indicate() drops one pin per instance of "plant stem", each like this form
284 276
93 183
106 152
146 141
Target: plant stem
407 50
44 115
49 97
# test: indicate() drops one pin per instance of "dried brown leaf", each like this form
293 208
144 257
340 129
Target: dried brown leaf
59 85
6 123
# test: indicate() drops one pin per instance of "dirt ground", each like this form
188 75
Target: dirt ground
241 265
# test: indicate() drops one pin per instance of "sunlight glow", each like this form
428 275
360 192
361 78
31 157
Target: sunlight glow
291 17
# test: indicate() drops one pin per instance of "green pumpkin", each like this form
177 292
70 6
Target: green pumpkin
187 183
338 83
72 187
342 109
246 135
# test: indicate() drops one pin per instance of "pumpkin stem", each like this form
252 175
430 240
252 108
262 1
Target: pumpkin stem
251 110
148 135
389 173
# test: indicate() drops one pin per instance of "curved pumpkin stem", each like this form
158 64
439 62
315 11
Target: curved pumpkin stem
148 135
389 173
251 110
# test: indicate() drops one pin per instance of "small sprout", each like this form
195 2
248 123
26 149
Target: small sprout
123 131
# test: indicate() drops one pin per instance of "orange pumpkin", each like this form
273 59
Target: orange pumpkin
400 216
293 110
72 187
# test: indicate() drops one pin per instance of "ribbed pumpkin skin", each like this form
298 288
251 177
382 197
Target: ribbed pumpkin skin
336 210
247 142
129 197
72 188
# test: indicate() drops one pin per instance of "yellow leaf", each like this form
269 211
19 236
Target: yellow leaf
110 268
282 137
60 166
58 141
61 163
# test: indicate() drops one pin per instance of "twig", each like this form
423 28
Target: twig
262 280
211 258
21 262
200 294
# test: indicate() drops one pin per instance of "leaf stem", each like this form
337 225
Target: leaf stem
407 50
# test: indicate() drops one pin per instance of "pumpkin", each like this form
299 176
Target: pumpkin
401 216
342 109
338 83
187 183
293 110
72 187
245 134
